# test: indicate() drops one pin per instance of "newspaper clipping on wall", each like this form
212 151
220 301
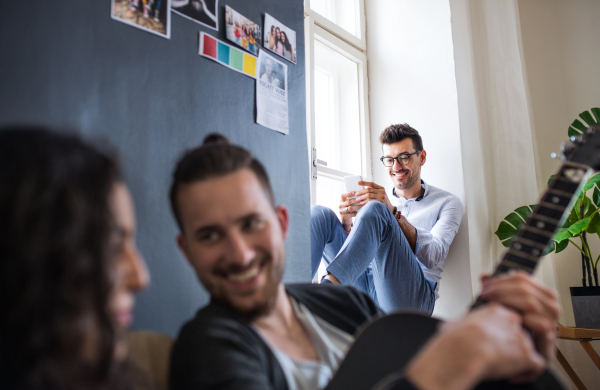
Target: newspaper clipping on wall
271 93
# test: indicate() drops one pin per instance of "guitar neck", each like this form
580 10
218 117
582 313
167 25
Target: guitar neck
548 216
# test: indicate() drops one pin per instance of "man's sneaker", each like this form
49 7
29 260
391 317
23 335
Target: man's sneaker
156 13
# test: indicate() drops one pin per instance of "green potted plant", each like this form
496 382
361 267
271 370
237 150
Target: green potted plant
582 224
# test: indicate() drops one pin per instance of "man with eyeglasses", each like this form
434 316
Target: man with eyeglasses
396 247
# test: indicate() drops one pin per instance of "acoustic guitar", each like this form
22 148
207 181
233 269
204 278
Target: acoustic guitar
385 346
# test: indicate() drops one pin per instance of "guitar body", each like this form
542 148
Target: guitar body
386 346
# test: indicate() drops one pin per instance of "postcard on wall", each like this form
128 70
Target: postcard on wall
271 93
151 15
280 39
227 55
204 12
242 31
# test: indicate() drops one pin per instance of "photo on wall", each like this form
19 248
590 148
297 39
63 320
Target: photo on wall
279 39
153 16
242 31
204 12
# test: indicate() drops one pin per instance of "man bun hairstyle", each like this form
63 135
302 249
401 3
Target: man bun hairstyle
215 138
397 133
216 157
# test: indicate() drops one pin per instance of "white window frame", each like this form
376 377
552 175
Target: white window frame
314 30
360 43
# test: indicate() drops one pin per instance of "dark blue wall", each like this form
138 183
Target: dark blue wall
67 64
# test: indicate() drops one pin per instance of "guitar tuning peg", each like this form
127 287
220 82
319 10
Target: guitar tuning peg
555 155
573 138
591 129
567 146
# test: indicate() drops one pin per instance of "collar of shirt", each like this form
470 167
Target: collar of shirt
423 185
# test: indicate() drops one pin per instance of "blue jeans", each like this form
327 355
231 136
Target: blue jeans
375 257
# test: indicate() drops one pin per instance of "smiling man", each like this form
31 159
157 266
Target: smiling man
257 333
396 247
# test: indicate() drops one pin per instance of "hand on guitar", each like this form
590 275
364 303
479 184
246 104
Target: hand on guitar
491 342
536 303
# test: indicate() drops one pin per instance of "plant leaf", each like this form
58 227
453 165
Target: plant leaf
524 211
596 197
511 223
578 125
592 181
596 112
515 220
574 214
552 176
561 235
505 231
561 246
587 117
572 132
594 224
587 207
549 248
578 226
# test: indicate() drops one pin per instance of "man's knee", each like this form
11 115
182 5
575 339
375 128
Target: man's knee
374 208
319 214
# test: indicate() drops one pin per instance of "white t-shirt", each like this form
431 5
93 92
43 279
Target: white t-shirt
331 344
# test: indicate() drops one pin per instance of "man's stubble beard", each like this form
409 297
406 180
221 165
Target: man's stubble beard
270 290
411 180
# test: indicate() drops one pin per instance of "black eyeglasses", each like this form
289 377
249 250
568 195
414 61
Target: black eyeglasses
402 159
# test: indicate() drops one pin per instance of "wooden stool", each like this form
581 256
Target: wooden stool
584 336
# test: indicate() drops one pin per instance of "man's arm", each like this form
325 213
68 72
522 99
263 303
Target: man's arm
432 246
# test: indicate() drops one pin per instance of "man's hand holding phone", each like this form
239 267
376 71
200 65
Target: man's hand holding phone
348 203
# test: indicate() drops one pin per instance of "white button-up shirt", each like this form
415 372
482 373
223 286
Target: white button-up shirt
436 215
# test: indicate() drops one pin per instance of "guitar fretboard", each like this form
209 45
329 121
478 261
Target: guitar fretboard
535 234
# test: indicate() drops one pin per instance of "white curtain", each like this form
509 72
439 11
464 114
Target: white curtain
495 117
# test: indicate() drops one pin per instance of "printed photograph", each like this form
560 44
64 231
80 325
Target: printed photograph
279 39
242 31
204 12
272 71
151 15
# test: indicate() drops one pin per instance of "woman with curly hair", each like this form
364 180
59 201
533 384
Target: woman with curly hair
69 265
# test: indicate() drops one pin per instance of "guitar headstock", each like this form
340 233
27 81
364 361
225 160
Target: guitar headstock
585 148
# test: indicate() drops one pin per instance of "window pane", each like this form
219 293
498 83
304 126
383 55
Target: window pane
329 192
337 120
344 13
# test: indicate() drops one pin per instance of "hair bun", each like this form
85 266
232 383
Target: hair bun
215 139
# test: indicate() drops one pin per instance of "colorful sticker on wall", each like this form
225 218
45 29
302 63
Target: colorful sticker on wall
227 55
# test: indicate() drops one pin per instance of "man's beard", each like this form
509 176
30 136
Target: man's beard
270 288
411 179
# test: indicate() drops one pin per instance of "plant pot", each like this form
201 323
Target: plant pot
586 306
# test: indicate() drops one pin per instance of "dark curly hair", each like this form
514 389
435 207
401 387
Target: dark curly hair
55 270
397 133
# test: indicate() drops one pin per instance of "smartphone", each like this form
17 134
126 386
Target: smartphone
351 183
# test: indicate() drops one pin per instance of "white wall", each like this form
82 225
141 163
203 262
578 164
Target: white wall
412 79
560 45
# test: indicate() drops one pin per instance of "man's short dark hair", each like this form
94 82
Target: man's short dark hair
215 158
397 133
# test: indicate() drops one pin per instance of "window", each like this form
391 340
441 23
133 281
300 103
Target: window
337 105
